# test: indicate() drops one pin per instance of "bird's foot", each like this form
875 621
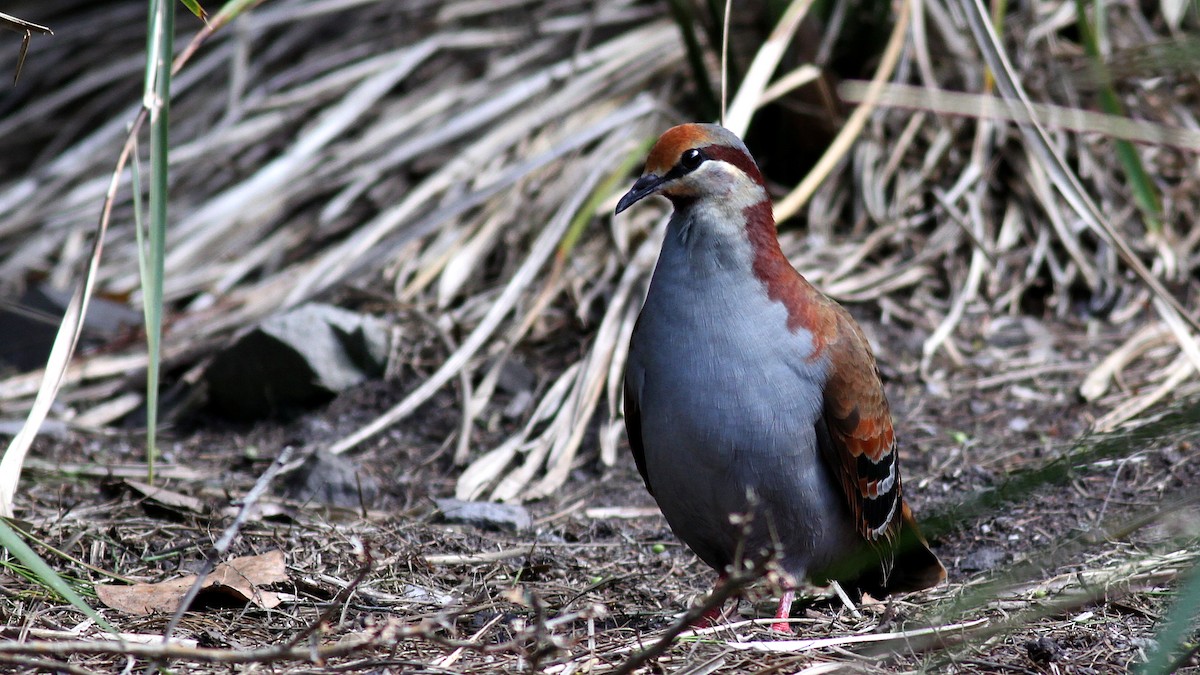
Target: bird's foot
712 617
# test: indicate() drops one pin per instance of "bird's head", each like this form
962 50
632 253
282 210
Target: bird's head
697 161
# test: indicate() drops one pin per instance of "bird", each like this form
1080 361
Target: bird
754 407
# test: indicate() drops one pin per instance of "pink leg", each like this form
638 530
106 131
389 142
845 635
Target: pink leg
713 616
784 611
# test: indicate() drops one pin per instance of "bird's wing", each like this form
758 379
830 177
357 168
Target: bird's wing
861 446
633 424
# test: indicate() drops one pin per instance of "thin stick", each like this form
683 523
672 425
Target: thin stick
849 604
365 564
222 546
725 60
731 586
10 22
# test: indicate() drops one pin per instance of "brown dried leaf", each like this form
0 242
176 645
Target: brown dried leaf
239 578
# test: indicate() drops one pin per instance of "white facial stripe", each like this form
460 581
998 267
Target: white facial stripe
733 188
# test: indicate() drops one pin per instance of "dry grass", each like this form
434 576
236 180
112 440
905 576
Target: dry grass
452 166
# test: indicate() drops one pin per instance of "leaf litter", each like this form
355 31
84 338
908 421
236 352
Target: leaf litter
240 577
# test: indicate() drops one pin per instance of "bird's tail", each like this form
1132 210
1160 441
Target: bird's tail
916 567
913 568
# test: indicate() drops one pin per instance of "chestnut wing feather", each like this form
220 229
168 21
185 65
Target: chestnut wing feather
862 447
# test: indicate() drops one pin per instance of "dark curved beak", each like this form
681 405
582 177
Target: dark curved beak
643 187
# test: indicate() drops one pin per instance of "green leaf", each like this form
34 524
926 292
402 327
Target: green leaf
195 8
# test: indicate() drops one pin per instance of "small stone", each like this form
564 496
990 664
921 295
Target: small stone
1043 650
331 479
295 360
982 560
521 402
424 595
485 515
515 377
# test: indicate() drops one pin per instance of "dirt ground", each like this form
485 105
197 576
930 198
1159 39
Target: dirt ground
1068 574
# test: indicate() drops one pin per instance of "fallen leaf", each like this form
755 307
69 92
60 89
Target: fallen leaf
239 578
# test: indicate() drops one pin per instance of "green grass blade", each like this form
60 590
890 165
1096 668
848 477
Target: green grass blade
195 8
14 544
159 52
619 175
1175 628
1144 193
139 219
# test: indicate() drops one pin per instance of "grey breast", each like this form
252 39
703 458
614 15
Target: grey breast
729 416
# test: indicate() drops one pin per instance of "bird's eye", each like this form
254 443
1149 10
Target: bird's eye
690 159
